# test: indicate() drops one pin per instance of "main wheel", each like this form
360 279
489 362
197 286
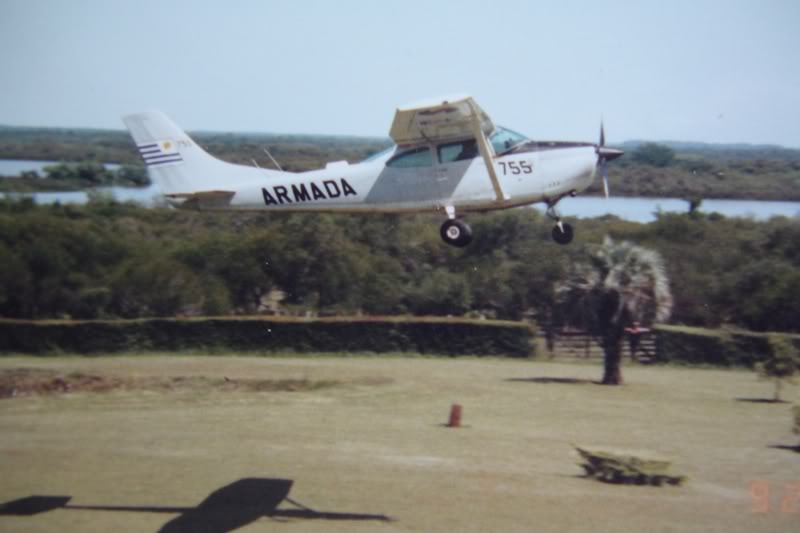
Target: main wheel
456 233
563 233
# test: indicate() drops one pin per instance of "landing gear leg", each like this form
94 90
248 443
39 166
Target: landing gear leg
562 232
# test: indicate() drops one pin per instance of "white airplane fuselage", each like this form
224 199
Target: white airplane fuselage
448 156
549 172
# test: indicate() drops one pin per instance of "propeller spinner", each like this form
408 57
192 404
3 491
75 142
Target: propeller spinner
604 155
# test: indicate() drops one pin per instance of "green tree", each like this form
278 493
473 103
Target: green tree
29 175
88 173
653 154
781 365
16 291
134 175
318 262
763 295
440 292
383 287
150 285
237 265
619 284
694 206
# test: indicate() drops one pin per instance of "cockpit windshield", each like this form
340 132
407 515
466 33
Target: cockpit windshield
504 139
382 153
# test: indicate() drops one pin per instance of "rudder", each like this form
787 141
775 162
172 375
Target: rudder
173 159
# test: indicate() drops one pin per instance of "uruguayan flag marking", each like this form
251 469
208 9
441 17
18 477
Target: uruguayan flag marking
160 153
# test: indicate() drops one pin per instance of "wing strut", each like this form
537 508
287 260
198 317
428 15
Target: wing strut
487 153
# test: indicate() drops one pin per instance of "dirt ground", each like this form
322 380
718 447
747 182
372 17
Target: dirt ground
159 443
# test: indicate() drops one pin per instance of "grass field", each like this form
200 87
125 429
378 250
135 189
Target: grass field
372 442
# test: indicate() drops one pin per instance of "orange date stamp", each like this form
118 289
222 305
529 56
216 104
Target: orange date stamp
766 497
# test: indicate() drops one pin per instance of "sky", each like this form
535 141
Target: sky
687 70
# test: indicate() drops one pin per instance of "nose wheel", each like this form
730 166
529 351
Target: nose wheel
562 232
456 232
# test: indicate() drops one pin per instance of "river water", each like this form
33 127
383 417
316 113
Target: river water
646 209
633 209
15 167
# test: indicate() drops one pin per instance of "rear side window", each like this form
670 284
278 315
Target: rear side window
418 157
459 151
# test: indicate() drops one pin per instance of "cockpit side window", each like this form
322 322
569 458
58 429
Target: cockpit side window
418 157
458 151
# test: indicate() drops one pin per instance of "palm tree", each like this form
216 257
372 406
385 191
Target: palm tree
621 283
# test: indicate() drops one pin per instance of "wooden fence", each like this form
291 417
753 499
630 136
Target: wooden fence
580 345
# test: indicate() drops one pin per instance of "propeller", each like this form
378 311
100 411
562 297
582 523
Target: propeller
604 155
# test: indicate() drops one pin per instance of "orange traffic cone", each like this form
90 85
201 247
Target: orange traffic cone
455 416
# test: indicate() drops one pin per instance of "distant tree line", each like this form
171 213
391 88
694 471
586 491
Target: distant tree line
90 174
293 152
107 260
652 169
680 170
76 176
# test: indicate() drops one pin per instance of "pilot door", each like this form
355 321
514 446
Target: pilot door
453 161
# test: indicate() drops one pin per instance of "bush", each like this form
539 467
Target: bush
678 344
257 334
780 364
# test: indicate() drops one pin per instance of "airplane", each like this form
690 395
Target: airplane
448 157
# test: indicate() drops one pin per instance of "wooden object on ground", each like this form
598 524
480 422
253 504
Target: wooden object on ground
629 470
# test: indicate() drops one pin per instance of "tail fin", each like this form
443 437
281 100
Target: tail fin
175 162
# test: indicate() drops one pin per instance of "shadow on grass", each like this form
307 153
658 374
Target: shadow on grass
567 381
795 449
761 400
226 509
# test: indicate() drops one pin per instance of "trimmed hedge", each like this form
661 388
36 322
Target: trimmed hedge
718 347
443 336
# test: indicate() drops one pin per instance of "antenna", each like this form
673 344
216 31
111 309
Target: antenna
272 159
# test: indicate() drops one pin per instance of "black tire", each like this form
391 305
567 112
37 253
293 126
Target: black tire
563 236
456 233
